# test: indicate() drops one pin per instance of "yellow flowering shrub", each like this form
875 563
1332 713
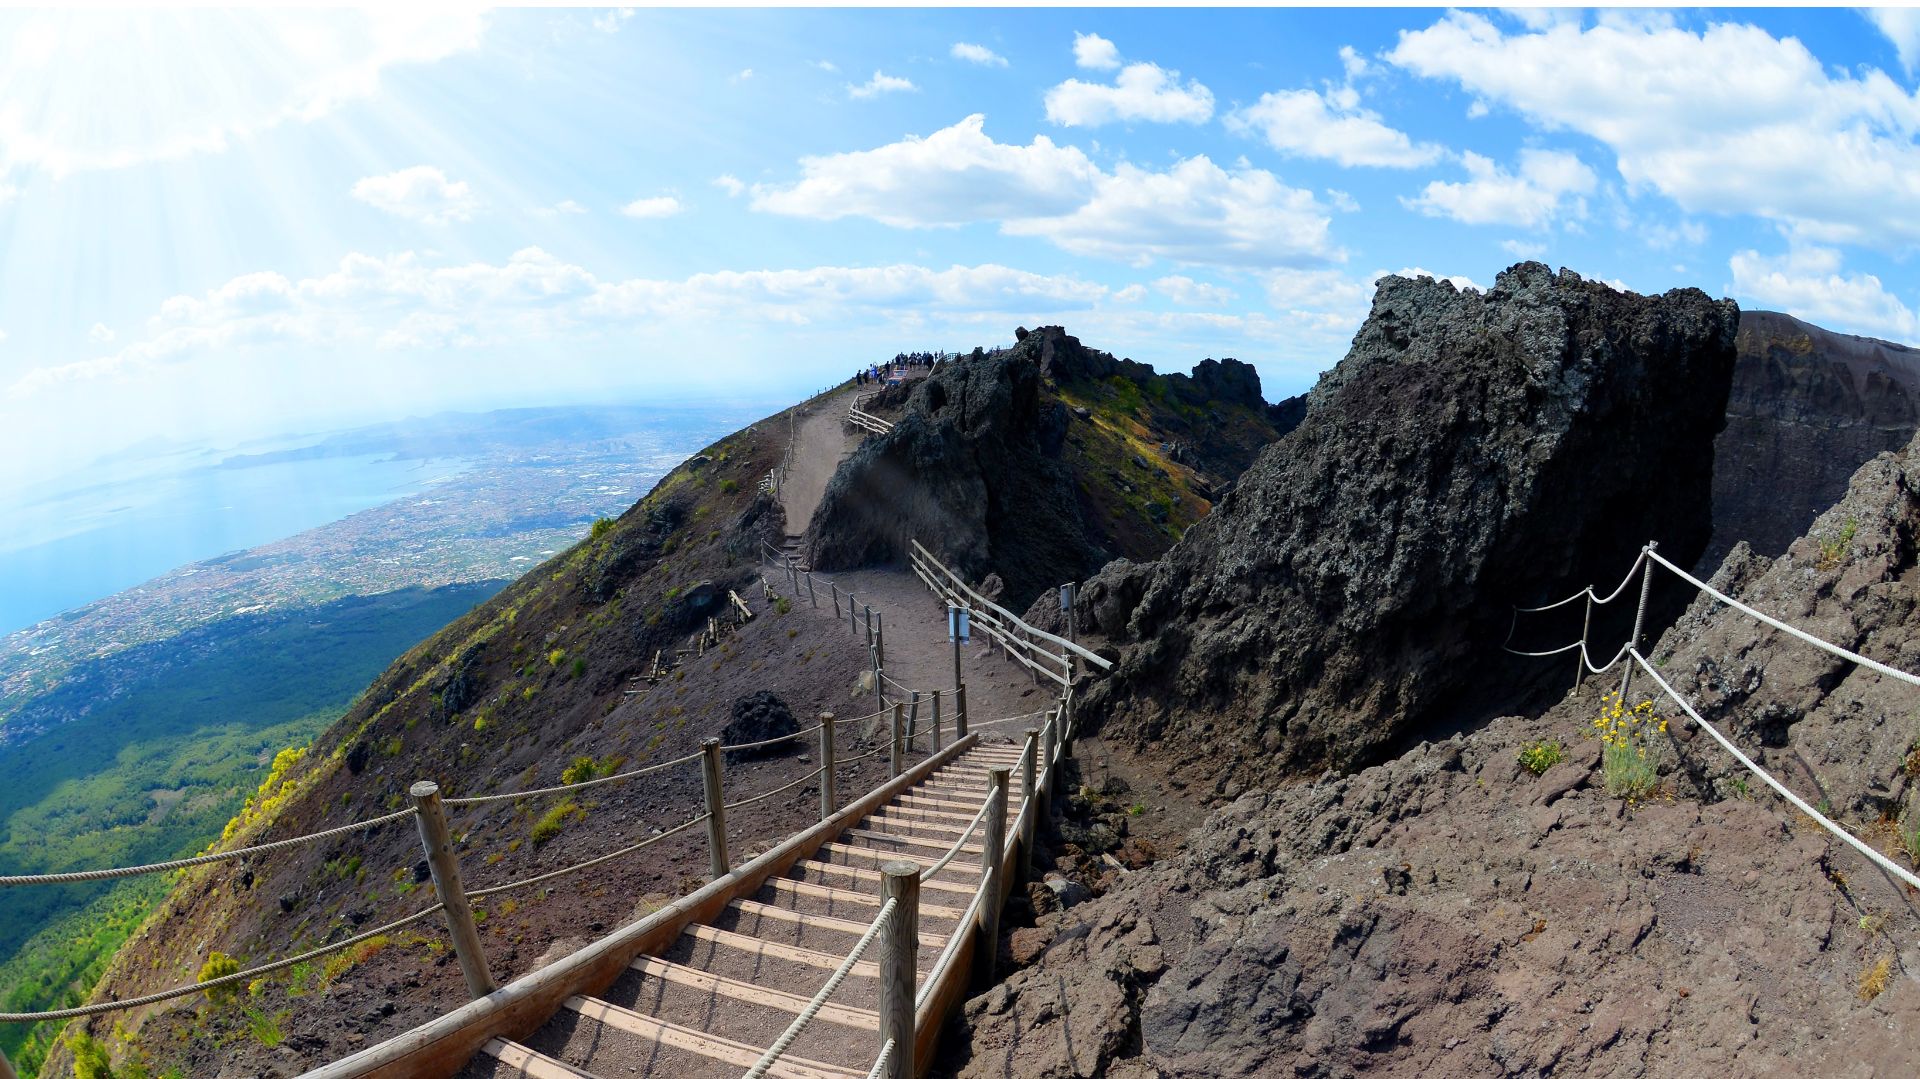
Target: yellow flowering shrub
1625 735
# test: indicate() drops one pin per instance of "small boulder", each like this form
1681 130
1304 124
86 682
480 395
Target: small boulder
757 717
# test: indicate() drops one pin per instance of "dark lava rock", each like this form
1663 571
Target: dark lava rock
357 757
461 686
973 470
758 717
1808 407
1472 452
1831 730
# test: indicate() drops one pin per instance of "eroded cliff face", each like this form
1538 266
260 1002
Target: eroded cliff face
1451 913
1807 408
1042 462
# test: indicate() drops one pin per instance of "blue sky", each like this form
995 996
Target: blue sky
229 225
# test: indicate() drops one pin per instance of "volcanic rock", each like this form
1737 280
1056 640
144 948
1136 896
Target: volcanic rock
1474 451
757 717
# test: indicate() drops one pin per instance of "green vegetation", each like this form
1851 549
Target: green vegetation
195 726
728 487
1540 756
555 819
554 657
783 605
579 666
266 1028
220 965
1625 735
601 526
1834 548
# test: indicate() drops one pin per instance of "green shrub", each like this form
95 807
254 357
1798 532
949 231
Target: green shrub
1540 756
783 605
727 487
554 657
579 666
1625 735
581 770
220 965
89 1057
554 820
601 527
265 1028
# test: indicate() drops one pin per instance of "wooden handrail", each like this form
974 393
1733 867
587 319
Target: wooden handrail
1083 653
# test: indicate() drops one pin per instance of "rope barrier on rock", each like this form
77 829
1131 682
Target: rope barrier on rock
482 893
483 799
762 796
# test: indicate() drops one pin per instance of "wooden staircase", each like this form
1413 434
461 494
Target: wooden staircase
707 1005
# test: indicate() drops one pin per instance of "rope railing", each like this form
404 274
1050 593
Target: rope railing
1779 788
482 893
954 851
863 756
764 795
762 744
220 982
788 1036
880 1063
483 799
204 859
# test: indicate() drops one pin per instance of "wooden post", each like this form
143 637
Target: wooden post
835 586
6 1068
853 622
953 629
992 850
1028 785
880 638
829 791
716 809
869 609
1051 749
899 952
913 716
936 721
432 817
811 598
960 712
894 754
878 673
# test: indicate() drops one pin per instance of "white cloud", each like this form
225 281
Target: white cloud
1459 280
113 89
1187 292
977 54
1342 201
1725 120
1901 27
1549 184
954 176
1808 283
407 303
742 75
1140 92
881 83
652 207
563 208
1663 237
1195 212
99 334
826 65
1095 53
609 21
1332 127
1355 64
729 183
1523 249
421 193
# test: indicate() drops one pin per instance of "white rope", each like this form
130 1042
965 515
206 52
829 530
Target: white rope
954 851
204 859
770 741
217 983
1589 592
863 756
482 799
815 774
1834 649
482 893
880 1063
1845 836
819 1000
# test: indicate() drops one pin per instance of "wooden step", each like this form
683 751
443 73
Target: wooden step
923 812
747 992
537 1065
726 938
732 1053
830 869
822 921
885 856
895 819
865 899
938 846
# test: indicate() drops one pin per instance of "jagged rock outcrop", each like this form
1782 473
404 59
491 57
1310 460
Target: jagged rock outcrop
1472 451
1450 913
1808 406
1835 732
990 467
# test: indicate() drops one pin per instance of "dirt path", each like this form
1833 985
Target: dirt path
821 442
